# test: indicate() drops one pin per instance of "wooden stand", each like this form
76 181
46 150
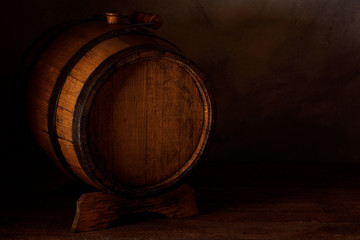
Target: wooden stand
97 210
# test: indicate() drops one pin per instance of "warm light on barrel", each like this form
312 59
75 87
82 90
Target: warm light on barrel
118 108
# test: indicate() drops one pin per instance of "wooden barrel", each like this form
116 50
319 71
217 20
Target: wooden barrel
118 107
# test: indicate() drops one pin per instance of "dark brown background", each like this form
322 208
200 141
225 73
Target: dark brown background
285 76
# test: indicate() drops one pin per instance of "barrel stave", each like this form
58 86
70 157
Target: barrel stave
66 80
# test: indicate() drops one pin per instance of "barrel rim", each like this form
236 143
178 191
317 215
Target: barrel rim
83 106
123 29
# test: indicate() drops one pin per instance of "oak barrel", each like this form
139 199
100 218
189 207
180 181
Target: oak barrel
118 107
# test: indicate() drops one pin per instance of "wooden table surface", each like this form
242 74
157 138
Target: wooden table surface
237 201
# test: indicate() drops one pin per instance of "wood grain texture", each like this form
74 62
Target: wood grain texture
44 75
99 148
98 210
130 144
145 122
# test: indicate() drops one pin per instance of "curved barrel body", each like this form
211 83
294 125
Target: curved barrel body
119 108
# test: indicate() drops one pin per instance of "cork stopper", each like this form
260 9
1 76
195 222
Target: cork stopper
112 17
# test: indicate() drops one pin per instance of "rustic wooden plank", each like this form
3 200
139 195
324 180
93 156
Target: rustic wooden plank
153 116
64 123
70 93
68 150
98 210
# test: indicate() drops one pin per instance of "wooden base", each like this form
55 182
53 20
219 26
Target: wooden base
97 210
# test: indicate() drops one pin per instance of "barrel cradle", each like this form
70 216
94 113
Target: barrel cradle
119 108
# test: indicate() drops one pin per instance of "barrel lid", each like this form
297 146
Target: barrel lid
145 123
